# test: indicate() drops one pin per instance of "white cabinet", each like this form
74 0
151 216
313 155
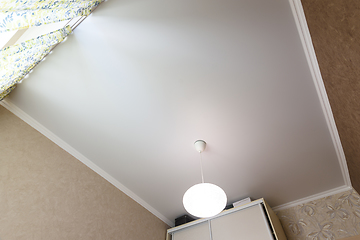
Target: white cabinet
252 221
196 232
249 223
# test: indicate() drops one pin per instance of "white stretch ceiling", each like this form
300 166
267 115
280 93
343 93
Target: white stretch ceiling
139 81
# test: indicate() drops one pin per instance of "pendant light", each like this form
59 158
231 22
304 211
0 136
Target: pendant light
204 199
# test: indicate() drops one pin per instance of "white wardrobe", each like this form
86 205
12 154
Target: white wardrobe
252 221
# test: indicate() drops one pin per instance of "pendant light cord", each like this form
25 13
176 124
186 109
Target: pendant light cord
202 175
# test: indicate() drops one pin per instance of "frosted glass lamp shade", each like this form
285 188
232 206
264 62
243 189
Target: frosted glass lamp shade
204 200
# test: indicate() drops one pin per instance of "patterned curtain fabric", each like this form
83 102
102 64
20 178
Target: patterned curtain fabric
19 14
18 60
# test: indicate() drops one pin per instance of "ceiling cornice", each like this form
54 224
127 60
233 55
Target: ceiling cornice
306 41
61 143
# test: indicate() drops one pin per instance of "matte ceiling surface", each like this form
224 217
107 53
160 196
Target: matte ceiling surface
140 81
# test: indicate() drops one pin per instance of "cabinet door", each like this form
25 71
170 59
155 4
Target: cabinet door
197 232
247 224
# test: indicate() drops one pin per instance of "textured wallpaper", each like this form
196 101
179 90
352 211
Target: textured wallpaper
335 32
47 194
333 217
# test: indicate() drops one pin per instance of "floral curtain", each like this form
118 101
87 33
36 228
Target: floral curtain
19 14
18 60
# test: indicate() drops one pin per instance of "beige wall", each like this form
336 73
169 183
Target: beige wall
334 28
333 217
45 193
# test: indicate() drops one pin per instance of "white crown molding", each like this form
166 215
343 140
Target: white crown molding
58 141
312 198
305 37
